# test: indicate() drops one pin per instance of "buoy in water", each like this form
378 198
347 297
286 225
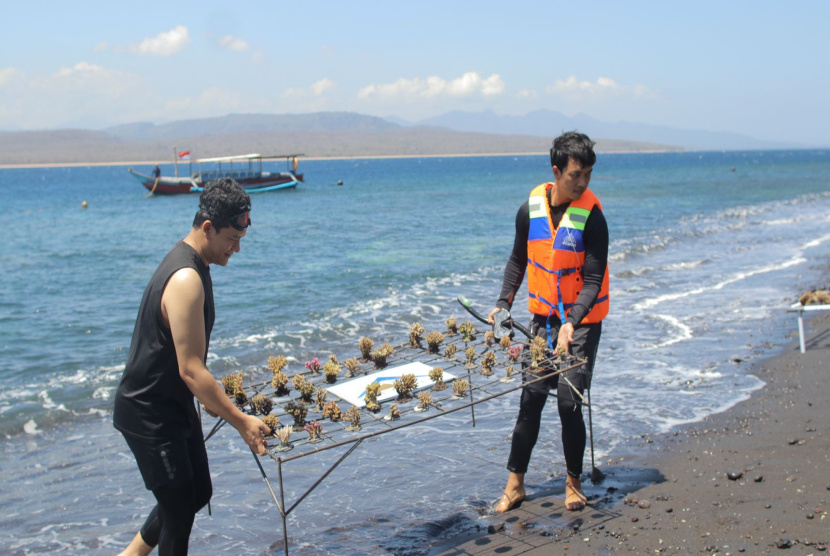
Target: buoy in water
83 204
339 182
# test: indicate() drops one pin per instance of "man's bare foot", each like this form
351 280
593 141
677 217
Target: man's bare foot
574 498
510 500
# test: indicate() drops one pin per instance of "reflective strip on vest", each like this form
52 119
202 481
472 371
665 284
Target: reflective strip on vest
575 217
539 228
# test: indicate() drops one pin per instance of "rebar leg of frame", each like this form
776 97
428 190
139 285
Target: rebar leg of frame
281 505
323 477
274 495
472 401
219 424
265 477
801 345
591 433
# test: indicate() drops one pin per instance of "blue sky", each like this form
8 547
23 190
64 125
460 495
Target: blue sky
757 68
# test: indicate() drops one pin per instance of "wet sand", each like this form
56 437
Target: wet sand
752 480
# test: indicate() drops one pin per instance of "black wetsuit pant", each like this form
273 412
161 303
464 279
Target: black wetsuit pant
177 473
525 433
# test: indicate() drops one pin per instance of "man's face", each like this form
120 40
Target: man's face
224 243
572 182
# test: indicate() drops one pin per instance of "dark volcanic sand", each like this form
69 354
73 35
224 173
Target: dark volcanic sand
752 480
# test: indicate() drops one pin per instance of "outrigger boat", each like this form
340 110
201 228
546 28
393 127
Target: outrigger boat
245 169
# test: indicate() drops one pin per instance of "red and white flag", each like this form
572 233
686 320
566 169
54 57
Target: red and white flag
184 155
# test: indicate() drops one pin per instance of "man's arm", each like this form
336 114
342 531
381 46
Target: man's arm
182 305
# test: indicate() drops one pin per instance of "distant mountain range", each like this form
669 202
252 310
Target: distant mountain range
347 134
244 123
547 123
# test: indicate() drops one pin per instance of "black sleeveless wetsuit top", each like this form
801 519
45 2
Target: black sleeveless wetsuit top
152 401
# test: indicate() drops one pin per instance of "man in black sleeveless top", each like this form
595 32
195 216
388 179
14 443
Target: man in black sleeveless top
154 405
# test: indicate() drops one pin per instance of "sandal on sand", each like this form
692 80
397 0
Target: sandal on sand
507 503
574 499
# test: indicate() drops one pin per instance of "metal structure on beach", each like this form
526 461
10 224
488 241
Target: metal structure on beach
487 367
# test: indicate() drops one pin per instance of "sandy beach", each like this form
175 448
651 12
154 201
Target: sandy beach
752 480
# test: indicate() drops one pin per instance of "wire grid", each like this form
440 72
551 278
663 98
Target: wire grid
482 387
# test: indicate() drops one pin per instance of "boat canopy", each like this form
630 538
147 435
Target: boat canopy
231 158
251 156
270 156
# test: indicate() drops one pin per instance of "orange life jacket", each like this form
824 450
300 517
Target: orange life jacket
555 257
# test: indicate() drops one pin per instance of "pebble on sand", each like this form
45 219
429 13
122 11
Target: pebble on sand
734 474
783 542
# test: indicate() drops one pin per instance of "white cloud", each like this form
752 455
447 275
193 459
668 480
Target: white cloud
320 87
641 91
316 89
89 85
164 44
603 87
75 95
492 86
294 92
527 94
100 47
234 44
7 75
81 69
469 84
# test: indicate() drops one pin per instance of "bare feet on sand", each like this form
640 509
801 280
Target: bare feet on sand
509 500
514 493
574 498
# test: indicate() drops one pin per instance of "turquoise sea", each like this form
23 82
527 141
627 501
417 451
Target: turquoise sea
708 249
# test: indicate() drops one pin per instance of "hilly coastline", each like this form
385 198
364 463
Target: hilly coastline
541 122
321 135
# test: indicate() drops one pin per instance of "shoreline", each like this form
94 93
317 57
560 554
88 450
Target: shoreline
306 158
752 479
315 159
31 165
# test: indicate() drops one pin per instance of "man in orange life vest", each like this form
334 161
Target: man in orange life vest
562 241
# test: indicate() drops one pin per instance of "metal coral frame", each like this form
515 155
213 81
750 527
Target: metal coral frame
482 389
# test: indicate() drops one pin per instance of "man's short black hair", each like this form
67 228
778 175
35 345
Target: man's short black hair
221 201
572 145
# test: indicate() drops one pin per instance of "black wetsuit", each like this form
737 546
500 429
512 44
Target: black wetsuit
155 411
585 342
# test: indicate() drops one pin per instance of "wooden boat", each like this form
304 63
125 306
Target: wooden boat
246 169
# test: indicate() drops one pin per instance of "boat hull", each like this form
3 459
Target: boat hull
251 182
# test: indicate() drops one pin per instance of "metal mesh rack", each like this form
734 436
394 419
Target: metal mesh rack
483 385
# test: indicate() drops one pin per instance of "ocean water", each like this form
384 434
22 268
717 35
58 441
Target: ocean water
707 251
